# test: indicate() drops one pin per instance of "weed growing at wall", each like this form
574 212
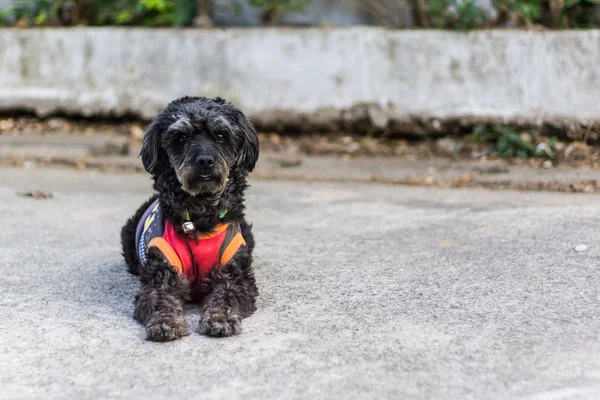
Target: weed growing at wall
509 143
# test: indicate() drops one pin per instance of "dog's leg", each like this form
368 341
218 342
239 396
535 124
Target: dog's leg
232 296
247 234
159 303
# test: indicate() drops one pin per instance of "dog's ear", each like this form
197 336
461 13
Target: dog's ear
248 150
152 153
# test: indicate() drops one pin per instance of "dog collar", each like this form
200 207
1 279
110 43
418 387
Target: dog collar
189 227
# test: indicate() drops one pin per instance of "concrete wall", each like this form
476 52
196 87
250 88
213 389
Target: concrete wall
414 81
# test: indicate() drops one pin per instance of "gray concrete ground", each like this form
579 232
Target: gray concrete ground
367 291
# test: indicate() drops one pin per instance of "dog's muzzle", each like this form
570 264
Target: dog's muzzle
203 176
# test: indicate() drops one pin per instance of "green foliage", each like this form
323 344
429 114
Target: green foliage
581 14
571 14
466 15
124 12
511 144
142 12
444 14
183 12
282 5
531 10
102 12
272 9
32 12
455 14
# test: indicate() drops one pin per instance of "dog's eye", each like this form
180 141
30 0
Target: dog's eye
220 137
182 138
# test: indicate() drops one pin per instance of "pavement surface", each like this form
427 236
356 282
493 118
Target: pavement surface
115 153
368 291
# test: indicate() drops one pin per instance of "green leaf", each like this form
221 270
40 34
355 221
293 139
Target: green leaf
514 138
7 12
502 146
183 12
456 147
479 130
522 153
41 18
480 134
123 17
570 3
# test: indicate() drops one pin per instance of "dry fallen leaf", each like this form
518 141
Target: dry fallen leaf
37 194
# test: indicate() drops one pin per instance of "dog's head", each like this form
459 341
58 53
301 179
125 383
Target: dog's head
202 140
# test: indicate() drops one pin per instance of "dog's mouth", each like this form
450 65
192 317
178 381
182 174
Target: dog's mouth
195 184
202 178
202 183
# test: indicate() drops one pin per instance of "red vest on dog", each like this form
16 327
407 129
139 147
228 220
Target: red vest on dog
191 258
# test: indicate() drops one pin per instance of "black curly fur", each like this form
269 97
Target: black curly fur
231 296
229 292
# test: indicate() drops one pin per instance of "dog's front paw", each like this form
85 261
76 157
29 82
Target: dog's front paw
163 328
220 323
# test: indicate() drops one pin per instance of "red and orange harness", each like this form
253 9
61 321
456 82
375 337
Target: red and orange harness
193 256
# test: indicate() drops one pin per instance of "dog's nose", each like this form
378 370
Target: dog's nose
205 162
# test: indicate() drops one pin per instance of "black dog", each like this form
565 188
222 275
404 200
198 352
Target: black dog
199 152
